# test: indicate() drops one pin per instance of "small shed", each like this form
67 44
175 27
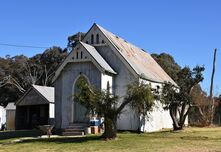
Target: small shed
35 107
10 116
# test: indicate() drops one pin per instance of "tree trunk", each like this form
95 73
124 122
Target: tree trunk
211 87
173 113
110 127
178 121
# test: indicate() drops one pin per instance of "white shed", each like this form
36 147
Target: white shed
2 116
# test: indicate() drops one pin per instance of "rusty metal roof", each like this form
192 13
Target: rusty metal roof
142 62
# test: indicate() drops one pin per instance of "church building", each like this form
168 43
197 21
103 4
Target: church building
102 57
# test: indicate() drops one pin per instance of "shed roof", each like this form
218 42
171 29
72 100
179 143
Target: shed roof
46 92
142 62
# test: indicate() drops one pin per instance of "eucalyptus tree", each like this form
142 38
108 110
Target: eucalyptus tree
107 105
178 99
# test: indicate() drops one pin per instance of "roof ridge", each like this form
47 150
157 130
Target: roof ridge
139 60
119 37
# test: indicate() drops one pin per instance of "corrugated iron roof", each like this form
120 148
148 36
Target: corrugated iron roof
98 58
10 106
139 60
47 92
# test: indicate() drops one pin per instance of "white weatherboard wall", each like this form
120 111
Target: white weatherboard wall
159 118
51 110
104 80
2 116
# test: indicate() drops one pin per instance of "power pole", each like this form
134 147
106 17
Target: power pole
211 87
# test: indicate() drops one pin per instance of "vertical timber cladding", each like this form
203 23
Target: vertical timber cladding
32 109
128 120
70 73
58 101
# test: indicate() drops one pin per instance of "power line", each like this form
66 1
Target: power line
23 46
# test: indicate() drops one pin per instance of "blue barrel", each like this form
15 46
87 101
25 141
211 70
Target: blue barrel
94 123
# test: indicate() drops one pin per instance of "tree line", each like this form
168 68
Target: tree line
18 73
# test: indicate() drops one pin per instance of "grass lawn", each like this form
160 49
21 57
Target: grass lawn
190 140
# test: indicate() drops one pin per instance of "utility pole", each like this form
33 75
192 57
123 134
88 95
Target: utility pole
211 87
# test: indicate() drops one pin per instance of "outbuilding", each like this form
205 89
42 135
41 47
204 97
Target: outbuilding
10 116
35 107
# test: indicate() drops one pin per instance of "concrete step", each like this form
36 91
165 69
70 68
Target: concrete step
73 130
73 134
75 127
78 124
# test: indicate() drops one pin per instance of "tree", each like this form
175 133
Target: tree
167 62
18 73
10 77
105 104
201 111
141 98
75 38
49 61
178 100
211 87
217 114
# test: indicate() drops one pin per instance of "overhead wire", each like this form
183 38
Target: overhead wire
23 46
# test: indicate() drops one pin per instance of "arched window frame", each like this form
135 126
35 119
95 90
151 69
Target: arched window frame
77 55
81 55
73 90
92 39
97 39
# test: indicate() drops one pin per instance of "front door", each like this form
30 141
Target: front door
79 111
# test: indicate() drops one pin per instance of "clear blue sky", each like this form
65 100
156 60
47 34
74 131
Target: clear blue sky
189 30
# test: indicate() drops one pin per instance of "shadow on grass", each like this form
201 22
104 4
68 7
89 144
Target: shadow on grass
18 134
63 140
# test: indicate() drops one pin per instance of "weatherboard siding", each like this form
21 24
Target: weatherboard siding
64 89
128 120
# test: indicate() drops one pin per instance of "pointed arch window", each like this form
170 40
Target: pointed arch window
92 39
81 55
97 39
77 55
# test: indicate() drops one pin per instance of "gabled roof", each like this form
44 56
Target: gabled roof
46 93
97 59
140 61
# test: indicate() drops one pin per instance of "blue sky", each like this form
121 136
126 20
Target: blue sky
189 30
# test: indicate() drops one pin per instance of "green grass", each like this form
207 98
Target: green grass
16 134
190 140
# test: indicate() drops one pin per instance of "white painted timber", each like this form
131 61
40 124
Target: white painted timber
2 116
